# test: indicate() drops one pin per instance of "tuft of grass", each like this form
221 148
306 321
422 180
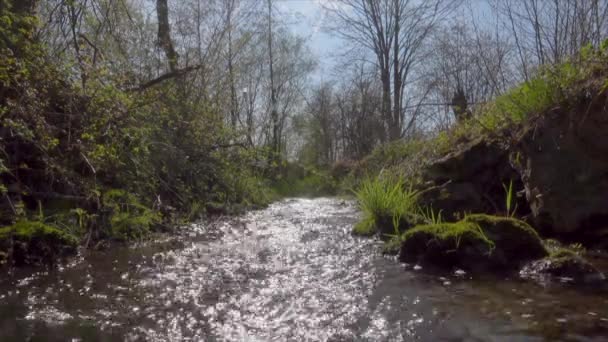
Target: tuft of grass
384 201
430 215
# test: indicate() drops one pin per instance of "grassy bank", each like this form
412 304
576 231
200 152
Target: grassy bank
391 181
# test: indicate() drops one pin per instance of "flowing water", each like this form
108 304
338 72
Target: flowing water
291 272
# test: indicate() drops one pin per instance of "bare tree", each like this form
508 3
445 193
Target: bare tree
546 32
394 32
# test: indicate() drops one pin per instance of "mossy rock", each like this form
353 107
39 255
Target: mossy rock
32 242
516 242
446 244
478 242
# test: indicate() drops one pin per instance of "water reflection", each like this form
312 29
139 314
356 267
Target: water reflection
291 272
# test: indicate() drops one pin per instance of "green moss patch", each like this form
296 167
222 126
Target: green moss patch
32 242
477 242
515 240
446 244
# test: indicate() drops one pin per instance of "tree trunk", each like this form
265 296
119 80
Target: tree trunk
395 128
276 140
164 34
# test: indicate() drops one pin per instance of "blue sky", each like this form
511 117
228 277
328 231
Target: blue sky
306 18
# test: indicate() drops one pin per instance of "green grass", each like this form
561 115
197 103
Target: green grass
384 202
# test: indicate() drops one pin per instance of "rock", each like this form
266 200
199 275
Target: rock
461 244
563 161
471 179
564 266
477 243
516 242
31 243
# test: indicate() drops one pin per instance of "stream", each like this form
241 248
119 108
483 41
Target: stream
290 272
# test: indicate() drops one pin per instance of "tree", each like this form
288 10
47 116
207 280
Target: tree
394 32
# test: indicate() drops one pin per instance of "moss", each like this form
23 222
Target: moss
33 242
515 240
446 244
477 242
562 253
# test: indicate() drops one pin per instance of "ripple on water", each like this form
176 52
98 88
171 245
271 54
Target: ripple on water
291 272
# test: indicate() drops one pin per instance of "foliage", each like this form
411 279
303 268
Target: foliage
33 242
296 180
384 201
128 218
26 230
96 159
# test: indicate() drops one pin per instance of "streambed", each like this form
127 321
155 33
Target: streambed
290 272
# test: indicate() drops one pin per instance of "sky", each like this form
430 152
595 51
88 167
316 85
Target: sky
306 18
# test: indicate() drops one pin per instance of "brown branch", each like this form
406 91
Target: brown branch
165 77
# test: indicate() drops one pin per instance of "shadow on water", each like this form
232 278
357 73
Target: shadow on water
291 272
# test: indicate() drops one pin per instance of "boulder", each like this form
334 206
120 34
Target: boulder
471 179
459 244
477 243
563 161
